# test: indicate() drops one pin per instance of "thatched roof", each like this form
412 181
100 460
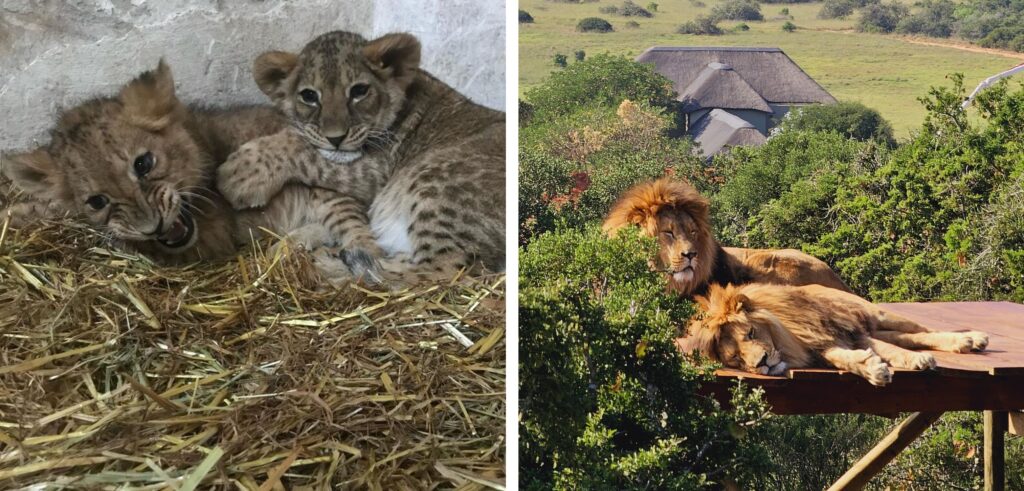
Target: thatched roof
768 71
719 129
719 86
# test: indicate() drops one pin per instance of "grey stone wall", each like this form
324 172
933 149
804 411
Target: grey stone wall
56 54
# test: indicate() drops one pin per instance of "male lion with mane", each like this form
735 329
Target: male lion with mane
767 329
675 213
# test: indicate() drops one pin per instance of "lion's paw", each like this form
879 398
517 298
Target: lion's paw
979 340
876 371
920 361
249 177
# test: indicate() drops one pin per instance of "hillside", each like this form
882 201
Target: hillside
884 72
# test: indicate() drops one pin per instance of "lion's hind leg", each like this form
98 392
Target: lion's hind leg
863 362
954 342
902 358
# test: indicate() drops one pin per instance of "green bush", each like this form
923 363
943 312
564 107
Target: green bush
560 60
580 55
850 119
525 17
599 80
741 27
935 18
628 9
836 9
702 25
882 18
606 400
594 24
737 10
789 26
653 7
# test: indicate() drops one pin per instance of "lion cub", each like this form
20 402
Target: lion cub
766 329
426 163
140 167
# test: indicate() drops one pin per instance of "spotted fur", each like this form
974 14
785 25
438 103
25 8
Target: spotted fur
426 163
140 166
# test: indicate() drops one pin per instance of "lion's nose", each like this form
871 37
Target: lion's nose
763 362
690 255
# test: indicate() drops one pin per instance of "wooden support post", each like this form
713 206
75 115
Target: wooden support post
995 465
872 463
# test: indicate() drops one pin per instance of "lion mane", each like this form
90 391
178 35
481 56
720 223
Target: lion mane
647 203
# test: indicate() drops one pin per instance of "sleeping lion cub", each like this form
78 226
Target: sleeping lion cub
140 166
426 164
766 329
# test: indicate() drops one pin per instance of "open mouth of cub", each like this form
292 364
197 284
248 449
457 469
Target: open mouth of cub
180 233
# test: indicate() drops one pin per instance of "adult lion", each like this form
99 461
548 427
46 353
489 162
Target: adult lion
675 213
768 328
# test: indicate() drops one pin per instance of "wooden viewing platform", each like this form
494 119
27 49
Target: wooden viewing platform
991 381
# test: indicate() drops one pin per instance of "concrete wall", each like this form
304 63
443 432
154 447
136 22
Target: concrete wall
56 53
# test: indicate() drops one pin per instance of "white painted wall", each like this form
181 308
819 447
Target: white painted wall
56 54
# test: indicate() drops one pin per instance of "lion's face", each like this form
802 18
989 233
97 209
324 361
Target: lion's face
342 92
127 165
730 332
683 248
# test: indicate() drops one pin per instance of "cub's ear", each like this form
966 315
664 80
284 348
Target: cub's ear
149 100
271 69
395 53
37 174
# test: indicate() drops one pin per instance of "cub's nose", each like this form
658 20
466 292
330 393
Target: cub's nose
336 140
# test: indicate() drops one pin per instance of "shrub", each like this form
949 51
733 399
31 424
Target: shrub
784 11
560 60
594 24
789 26
836 9
601 79
850 119
653 7
607 401
630 9
737 10
609 9
702 25
698 4
580 55
933 18
525 17
741 27
883 18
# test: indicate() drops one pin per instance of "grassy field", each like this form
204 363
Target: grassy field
887 73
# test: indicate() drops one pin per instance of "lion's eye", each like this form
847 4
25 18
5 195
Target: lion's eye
97 202
668 235
144 163
358 90
309 96
750 333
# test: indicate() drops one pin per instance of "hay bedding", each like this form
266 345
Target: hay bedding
118 374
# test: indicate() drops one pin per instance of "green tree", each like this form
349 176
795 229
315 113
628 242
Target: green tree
850 119
603 80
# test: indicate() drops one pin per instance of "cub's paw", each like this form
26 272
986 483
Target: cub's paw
363 265
332 269
27 213
876 371
979 340
250 177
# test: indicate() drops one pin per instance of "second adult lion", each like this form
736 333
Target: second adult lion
677 215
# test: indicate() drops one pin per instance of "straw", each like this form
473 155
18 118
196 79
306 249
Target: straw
116 373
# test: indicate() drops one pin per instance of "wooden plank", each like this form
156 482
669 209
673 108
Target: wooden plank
995 463
1002 318
922 391
882 453
1016 423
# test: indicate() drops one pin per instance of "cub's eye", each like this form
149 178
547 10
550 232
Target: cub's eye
309 96
97 202
144 163
358 90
